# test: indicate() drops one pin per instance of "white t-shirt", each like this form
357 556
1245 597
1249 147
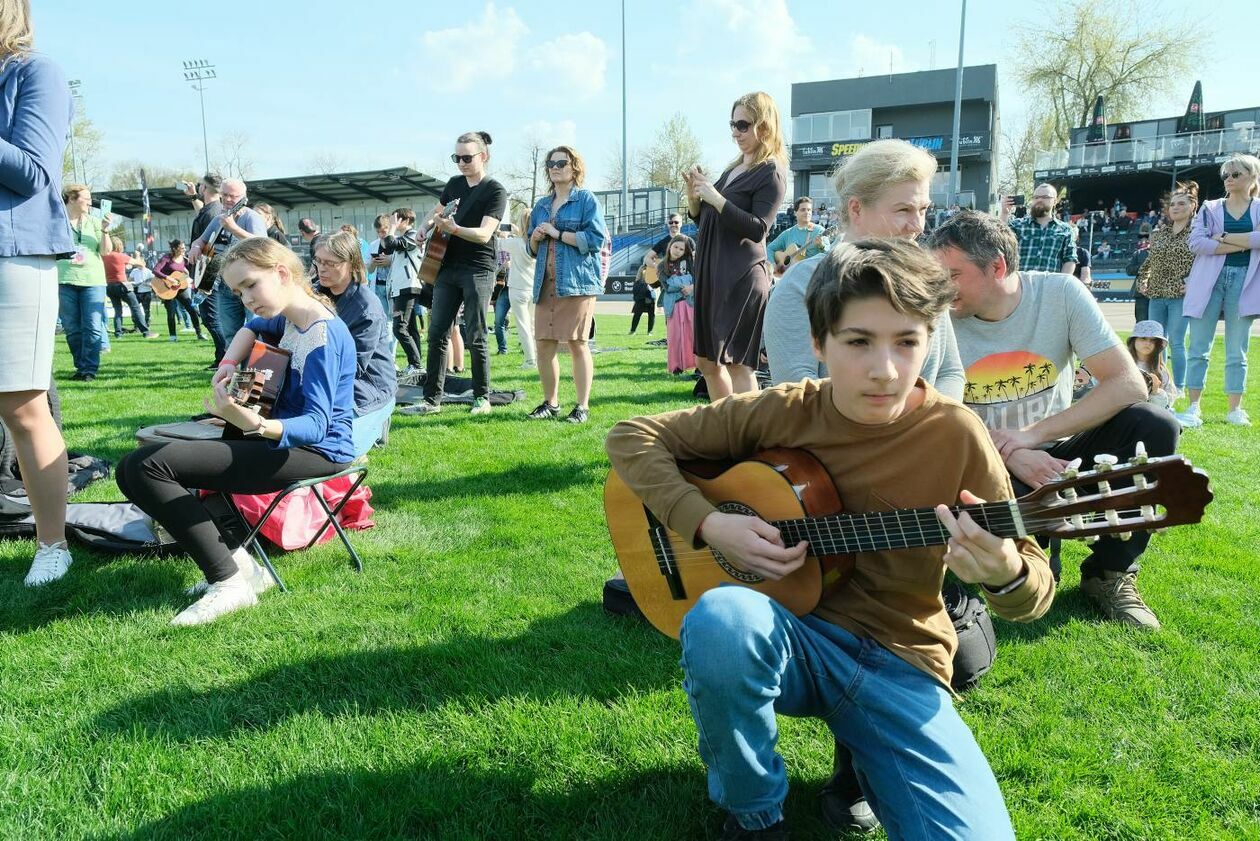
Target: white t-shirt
141 278
521 269
1020 369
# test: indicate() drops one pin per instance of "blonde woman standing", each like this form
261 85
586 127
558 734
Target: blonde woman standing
734 213
35 106
520 283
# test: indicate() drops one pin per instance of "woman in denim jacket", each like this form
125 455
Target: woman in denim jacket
34 122
566 231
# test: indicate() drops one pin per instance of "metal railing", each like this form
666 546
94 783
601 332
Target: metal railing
1244 139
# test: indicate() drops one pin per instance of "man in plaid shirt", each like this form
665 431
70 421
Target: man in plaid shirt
1045 243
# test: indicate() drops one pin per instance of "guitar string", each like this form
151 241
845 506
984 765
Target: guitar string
696 557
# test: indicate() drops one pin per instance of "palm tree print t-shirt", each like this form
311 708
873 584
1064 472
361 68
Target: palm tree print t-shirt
1020 369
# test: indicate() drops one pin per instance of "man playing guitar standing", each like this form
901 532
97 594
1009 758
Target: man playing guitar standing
804 239
220 232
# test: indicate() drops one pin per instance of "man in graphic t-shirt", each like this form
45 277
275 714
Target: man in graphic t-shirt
1018 334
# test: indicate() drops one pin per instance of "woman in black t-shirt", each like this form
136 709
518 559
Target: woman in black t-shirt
468 268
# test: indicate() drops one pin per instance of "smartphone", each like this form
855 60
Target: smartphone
106 207
1018 200
506 226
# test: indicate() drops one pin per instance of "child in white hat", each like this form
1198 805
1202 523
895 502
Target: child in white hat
1146 345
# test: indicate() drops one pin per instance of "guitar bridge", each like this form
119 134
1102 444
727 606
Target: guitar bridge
665 559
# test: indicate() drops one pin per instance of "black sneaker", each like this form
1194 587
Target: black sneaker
732 831
578 415
844 807
545 411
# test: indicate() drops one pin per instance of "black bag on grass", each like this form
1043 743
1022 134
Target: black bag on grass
977 641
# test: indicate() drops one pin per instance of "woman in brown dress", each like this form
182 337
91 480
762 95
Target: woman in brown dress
566 233
734 214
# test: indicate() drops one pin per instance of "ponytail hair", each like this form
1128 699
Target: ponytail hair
265 253
481 138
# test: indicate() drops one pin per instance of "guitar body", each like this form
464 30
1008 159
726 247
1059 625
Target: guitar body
666 574
258 383
435 251
166 288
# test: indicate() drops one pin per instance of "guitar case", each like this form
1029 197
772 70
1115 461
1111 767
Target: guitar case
455 390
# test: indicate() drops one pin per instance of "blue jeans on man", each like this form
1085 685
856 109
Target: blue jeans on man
82 312
502 305
229 310
1224 301
747 659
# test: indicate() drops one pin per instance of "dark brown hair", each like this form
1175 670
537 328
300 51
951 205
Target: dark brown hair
983 238
900 272
575 161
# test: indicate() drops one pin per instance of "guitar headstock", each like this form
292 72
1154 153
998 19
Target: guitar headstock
1160 492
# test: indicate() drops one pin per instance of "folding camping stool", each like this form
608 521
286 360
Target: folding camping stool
357 468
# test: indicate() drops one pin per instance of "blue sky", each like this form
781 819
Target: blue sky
373 89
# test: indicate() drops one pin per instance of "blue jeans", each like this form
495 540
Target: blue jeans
1225 295
82 310
366 430
747 658
387 307
1167 311
229 310
501 306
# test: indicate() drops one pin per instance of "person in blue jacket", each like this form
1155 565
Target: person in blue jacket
307 436
34 229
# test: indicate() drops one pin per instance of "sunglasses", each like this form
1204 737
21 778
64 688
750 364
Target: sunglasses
462 159
557 164
740 126
1225 176
674 223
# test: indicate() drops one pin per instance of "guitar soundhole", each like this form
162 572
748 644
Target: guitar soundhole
733 571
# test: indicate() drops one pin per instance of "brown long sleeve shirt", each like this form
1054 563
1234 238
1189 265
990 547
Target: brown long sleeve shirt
922 459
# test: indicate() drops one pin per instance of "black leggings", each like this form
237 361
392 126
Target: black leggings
183 300
640 309
407 325
156 477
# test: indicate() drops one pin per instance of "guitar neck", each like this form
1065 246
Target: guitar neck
907 528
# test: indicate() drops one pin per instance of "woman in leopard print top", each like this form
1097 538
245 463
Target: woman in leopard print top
1162 277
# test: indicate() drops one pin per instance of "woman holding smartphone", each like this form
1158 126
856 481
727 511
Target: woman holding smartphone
734 213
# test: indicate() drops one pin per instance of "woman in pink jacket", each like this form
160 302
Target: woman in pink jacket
1225 238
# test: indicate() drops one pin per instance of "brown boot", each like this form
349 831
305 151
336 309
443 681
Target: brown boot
1116 596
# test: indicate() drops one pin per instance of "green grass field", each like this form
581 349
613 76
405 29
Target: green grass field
469 685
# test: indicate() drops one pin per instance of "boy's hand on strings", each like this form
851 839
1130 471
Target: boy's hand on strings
752 544
975 555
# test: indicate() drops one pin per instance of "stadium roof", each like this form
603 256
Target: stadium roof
384 185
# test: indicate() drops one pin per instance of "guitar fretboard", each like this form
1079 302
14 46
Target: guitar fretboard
902 529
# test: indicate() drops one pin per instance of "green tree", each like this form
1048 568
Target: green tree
674 150
125 175
1073 53
81 162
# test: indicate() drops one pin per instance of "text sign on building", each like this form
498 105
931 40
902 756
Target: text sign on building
819 153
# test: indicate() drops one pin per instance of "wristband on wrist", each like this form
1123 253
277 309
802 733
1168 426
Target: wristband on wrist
228 363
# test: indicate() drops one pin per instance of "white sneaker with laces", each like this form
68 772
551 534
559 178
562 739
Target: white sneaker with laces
226 596
52 561
255 573
1191 418
1238 417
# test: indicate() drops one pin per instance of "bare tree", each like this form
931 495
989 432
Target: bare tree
82 159
1111 48
325 163
524 177
1018 158
125 175
613 166
232 156
675 150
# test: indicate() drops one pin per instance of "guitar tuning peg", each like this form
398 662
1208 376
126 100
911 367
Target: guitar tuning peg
1071 470
1139 454
1104 462
1125 535
1093 538
1113 518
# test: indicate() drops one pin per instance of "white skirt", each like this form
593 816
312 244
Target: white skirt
28 322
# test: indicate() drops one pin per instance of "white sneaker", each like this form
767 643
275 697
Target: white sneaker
224 597
1238 417
255 573
51 562
529 364
1191 418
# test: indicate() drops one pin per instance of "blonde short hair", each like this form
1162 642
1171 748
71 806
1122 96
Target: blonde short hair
16 35
764 114
70 192
1249 164
878 165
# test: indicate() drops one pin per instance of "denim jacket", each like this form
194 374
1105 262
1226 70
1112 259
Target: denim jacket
34 124
577 267
672 294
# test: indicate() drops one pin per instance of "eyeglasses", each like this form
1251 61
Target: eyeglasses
674 223
1225 176
328 264
557 164
462 159
740 126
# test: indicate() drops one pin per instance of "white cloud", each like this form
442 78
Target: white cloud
871 58
560 133
571 65
492 39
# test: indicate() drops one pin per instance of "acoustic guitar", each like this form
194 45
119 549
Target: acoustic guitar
201 279
166 288
257 383
792 491
435 251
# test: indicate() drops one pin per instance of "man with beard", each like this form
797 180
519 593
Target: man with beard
1045 243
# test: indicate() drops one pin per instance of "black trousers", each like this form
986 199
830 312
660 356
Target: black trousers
156 477
406 312
210 318
641 308
1154 427
184 301
118 294
472 289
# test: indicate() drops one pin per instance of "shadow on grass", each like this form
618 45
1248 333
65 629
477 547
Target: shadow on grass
440 798
1069 604
577 653
542 478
